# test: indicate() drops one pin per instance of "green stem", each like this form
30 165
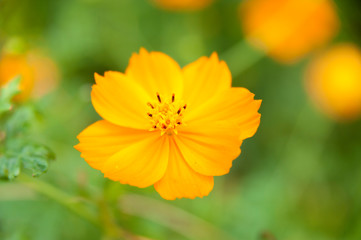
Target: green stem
241 57
59 196
165 214
110 226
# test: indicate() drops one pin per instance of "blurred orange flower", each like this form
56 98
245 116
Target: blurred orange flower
334 82
288 29
183 4
168 127
39 73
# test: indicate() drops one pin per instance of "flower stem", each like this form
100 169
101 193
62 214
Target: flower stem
60 197
241 57
165 214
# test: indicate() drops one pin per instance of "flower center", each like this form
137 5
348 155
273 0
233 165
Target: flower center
166 115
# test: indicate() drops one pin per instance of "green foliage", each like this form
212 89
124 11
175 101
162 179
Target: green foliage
22 155
17 151
7 93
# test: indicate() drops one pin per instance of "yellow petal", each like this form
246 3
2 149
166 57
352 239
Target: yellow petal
236 105
205 78
120 100
140 164
157 73
181 181
101 140
210 149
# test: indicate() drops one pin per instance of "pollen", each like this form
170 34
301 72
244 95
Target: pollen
165 114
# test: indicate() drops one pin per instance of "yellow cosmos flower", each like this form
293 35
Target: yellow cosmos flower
183 4
334 82
288 29
166 126
39 74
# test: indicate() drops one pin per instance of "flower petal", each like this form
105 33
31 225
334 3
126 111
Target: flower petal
210 149
236 105
157 73
140 164
204 78
101 140
120 100
181 181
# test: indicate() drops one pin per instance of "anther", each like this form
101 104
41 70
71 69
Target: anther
159 99
165 116
150 105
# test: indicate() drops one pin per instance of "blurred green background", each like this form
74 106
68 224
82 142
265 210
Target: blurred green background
296 179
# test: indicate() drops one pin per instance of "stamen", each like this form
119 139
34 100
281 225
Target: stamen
159 99
150 105
165 115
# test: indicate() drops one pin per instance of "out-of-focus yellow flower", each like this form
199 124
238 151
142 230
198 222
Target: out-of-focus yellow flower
168 127
39 73
334 82
183 5
12 65
288 29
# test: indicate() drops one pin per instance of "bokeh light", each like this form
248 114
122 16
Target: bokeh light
182 5
334 81
288 29
39 74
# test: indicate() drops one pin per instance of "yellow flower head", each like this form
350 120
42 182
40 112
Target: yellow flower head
334 82
39 74
288 29
166 126
187 5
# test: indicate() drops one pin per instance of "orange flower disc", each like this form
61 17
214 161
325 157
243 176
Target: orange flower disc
288 29
334 82
183 5
169 127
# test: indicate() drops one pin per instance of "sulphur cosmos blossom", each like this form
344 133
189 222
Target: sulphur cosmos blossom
169 127
39 74
175 5
288 29
334 81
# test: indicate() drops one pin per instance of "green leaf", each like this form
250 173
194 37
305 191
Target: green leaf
29 156
7 93
19 121
9 167
36 158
